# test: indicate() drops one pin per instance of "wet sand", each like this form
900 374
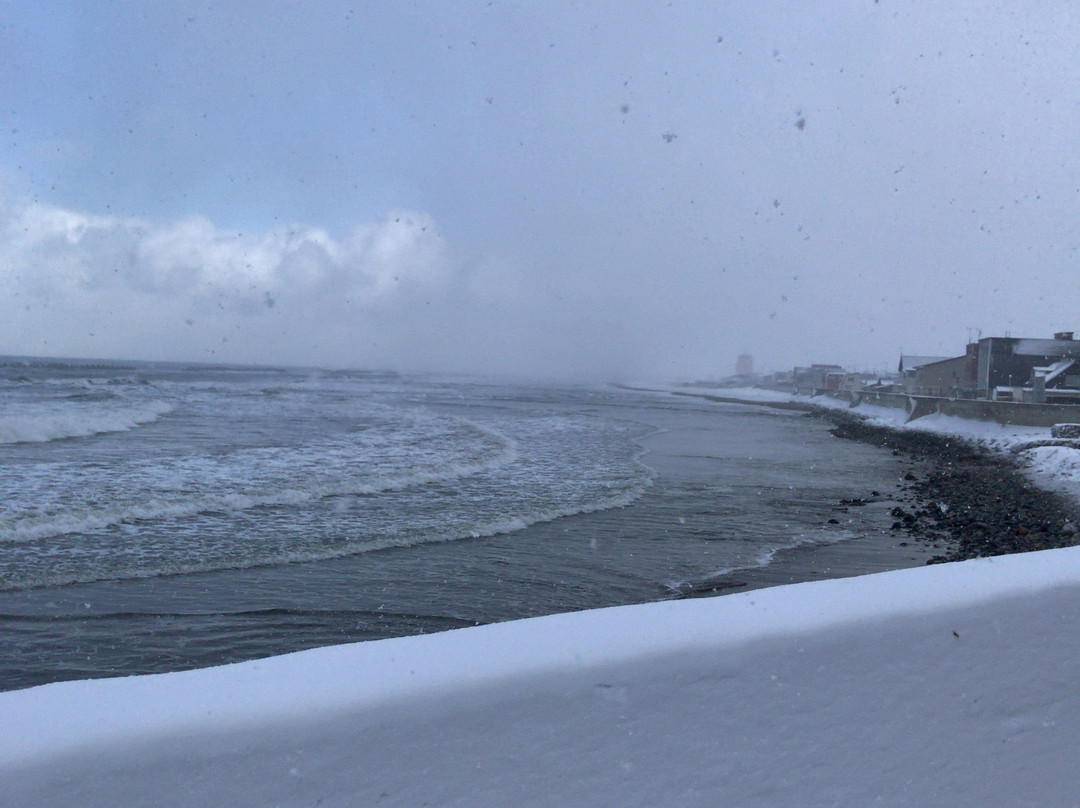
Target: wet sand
862 556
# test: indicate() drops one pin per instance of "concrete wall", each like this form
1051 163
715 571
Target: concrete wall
1002 412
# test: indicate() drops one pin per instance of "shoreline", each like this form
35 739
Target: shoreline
963 500
929 506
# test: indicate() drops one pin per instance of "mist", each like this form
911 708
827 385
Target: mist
594 192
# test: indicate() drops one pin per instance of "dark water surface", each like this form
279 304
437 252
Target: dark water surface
725 487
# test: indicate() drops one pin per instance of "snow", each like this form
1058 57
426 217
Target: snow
990 434
748 394
943 685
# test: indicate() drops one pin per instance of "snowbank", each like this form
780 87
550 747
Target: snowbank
943 685
1055 467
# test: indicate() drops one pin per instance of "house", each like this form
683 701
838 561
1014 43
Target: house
954 376
909 366
814 379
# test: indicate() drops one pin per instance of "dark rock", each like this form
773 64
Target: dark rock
980 502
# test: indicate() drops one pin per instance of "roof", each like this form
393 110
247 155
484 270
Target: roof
1056 369
912 361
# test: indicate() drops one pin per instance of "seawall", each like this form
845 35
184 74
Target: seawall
1002 412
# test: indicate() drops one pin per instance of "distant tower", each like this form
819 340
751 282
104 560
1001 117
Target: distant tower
744 365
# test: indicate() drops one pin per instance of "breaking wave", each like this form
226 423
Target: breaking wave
36 528
77 421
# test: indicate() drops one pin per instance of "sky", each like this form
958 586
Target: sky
590 190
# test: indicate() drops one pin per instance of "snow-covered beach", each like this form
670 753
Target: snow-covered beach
939 685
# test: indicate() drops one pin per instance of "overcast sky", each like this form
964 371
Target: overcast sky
596 189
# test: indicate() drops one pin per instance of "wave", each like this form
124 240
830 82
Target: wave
763 558
78 422
44 527
505 525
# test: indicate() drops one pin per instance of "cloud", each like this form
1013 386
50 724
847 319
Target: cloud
392 293
52 251
186 288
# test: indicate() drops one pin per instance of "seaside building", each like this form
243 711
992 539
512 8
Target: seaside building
909 367
945 376
1037 370
744 365
813 379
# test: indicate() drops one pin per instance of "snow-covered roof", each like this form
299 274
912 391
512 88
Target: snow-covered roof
912 361
1047 347
1056 369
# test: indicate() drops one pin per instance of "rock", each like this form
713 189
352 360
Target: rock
980 502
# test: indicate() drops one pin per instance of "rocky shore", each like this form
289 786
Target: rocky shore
969 502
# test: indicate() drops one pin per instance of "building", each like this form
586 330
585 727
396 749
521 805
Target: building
909 367
953 376
1006 364
816 378
744 365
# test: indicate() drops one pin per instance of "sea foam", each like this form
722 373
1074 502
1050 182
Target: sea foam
77 421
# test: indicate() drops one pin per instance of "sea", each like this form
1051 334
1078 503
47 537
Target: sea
164 516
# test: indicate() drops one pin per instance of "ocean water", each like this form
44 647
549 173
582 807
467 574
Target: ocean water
164 516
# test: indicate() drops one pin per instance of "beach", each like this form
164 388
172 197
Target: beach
957 499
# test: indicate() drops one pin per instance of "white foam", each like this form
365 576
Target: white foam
77 421
35 528
514 523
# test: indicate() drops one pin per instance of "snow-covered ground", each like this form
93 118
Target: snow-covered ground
955 684
992 435
1055 467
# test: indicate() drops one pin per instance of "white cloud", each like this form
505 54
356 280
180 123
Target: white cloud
186 288
49 250
389 294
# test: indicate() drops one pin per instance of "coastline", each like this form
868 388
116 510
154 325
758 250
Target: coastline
902 499
644 703
959 501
